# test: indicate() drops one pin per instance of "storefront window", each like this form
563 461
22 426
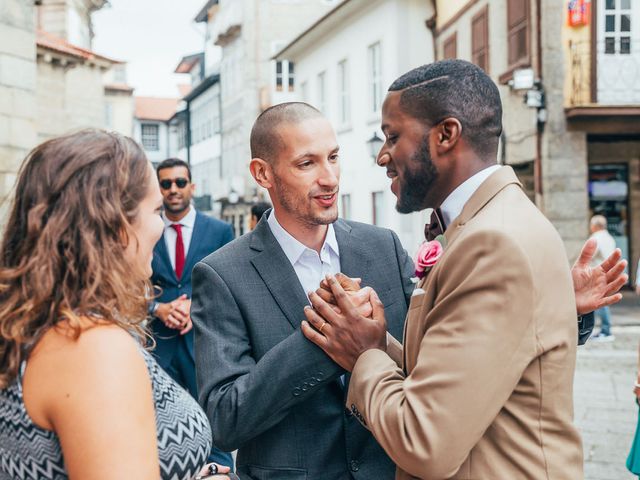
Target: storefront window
609 196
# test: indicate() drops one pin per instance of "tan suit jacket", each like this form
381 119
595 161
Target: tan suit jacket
484 390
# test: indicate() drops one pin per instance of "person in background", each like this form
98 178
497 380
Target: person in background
188 237
257 210
606 246
80 397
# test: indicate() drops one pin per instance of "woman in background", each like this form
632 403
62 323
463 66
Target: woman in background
79 396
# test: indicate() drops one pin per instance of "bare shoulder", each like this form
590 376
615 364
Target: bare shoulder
63 370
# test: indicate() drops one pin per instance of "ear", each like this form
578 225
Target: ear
261 172
192 188
448 134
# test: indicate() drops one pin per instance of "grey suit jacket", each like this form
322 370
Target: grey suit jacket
267 390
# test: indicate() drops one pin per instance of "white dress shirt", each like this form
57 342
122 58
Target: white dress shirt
310 267
170 235
455 202
606 246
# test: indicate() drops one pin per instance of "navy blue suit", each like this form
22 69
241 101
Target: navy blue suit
173 351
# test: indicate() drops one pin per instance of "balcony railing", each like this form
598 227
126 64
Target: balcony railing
613 79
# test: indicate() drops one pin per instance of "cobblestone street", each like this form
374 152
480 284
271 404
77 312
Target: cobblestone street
605 410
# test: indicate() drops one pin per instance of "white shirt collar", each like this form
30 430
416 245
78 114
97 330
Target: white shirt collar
188 220
291 246
455 202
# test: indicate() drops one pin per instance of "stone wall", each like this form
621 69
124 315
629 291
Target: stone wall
17 90
564 153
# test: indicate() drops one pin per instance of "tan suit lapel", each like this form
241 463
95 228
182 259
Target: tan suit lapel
496 182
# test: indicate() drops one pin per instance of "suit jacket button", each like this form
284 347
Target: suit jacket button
179 285
355 465
296 392
320 376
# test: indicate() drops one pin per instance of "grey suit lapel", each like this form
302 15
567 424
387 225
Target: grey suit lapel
354 258
278 274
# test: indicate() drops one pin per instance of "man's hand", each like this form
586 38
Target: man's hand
358 296
597 287
175 314
344 335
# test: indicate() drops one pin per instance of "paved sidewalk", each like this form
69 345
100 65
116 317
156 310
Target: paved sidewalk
605 410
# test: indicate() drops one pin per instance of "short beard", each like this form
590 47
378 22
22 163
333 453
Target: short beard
177 211
419 177
289 203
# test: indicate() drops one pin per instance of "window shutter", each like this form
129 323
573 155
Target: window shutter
451 47
480 39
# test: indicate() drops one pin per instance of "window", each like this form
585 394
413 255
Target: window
346 206
150 137
450 49
480 39
285 75
377 199
518 32
291 76
617 27
322 93
344 111
375 75
279 76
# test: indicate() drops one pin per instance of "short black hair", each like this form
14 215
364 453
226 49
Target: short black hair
258 209
265 141
173 162
458 89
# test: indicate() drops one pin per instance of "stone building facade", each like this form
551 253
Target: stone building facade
17 89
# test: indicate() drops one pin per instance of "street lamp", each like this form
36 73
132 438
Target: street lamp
375 144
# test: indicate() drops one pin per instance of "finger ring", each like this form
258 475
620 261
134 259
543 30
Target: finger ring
322 326
213 469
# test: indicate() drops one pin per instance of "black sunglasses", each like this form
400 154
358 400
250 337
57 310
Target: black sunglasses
180 183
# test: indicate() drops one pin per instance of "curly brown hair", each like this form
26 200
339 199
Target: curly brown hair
63 252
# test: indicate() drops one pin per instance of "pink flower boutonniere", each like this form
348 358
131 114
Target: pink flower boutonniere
428 255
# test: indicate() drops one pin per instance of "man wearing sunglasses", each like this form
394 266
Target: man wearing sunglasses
188 237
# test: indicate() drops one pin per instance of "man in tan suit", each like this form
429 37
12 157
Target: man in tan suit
483 388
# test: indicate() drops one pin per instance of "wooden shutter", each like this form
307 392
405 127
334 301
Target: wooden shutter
480 39
450 47
518 19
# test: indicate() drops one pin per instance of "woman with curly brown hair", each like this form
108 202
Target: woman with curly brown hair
79 395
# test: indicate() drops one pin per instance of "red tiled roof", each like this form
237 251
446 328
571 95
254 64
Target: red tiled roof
52 42
155 108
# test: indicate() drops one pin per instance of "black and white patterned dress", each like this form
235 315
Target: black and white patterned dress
28 452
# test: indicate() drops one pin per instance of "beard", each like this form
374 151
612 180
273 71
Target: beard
300 207
178 208
418 179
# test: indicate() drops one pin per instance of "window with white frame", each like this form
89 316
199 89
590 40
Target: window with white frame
285 76
375 77
344 110
322 92
150 136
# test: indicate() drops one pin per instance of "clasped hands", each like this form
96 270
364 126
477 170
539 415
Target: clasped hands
175 314
345 320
